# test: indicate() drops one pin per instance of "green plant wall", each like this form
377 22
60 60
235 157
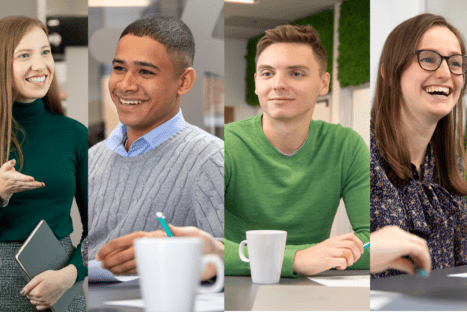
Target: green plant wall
323 22
354 43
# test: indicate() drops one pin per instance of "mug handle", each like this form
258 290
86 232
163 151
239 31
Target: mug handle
219 284
241 251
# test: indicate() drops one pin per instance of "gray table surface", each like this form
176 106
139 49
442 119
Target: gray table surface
100 292
438 292
240 292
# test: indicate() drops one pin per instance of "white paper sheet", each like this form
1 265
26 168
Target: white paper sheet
378 299
459 275
203 303
98 275
343 281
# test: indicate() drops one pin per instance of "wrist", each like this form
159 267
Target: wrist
71 274
296 265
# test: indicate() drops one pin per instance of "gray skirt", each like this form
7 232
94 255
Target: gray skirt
12 280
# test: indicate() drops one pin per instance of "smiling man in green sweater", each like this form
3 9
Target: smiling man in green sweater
284 171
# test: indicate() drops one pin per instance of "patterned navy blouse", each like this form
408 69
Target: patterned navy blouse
421 207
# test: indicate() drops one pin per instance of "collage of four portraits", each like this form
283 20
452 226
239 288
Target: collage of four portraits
233 155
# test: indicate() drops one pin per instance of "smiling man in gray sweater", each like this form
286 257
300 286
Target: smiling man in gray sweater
154 160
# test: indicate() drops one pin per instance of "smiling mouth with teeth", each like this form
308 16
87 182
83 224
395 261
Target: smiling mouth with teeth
442 91
36 79
129 102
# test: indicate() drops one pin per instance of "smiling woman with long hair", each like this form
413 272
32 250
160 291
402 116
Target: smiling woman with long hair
417 149
37 143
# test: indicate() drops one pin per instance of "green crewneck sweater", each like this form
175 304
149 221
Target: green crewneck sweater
55 152
267 190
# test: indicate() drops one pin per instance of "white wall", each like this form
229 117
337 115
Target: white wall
384 16
235 85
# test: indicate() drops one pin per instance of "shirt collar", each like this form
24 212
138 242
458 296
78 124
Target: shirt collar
116 140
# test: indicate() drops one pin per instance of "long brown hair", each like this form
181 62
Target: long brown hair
12 30
447 140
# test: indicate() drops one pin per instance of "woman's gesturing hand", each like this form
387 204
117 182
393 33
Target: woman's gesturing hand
11 181
45 289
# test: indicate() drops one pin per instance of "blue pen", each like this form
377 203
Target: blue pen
366 245
161 219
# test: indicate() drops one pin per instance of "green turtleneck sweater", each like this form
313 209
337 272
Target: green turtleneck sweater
55 152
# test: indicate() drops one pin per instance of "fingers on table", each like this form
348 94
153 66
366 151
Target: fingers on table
352 237
118 258
123 242
419 253
402 264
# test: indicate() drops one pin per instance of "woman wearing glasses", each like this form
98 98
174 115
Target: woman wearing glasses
417 149
43 157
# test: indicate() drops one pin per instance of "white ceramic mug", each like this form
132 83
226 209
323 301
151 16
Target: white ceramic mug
266 253
169 270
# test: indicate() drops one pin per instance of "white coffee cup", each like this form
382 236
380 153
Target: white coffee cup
266 253
169 270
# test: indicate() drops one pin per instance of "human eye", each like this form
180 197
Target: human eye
146 72
455 62
118 68
46 52
266 74
427 59
297 74
23 55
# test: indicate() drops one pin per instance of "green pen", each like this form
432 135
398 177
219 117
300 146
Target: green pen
161 219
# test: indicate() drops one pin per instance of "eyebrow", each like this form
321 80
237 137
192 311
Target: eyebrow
298 66
29 50
138 63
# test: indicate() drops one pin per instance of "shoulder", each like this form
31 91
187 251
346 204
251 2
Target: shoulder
335 131
70 125
335 135
241 132
197 141
96 151
242 127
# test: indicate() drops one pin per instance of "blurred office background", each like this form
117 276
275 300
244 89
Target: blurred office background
348 101
203 105
386 15
67 25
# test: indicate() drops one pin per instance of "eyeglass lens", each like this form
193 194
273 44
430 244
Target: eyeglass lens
430 60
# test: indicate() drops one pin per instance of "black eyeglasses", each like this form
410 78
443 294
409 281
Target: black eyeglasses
431 61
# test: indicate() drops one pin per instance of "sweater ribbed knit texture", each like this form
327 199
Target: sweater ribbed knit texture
182 178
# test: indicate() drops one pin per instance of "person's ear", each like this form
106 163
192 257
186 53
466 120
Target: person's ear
325 80
186 80
255 85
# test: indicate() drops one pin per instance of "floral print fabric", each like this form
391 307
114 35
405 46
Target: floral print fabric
422 207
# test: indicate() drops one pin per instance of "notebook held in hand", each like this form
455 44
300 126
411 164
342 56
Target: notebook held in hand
41 252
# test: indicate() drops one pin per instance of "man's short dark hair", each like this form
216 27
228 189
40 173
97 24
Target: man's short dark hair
170 32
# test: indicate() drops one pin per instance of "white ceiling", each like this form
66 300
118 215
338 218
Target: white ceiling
243 21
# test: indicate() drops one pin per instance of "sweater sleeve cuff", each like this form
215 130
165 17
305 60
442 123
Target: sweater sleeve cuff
77 261
287 265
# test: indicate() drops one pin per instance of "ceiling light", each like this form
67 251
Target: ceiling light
118 3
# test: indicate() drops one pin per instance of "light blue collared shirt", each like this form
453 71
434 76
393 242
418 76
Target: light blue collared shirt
116 140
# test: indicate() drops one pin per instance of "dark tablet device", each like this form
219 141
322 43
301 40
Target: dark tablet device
41 252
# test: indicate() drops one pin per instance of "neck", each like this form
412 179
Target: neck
418 132
286 135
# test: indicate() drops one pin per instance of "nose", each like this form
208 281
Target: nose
443 70
38 64
127 83
280 82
